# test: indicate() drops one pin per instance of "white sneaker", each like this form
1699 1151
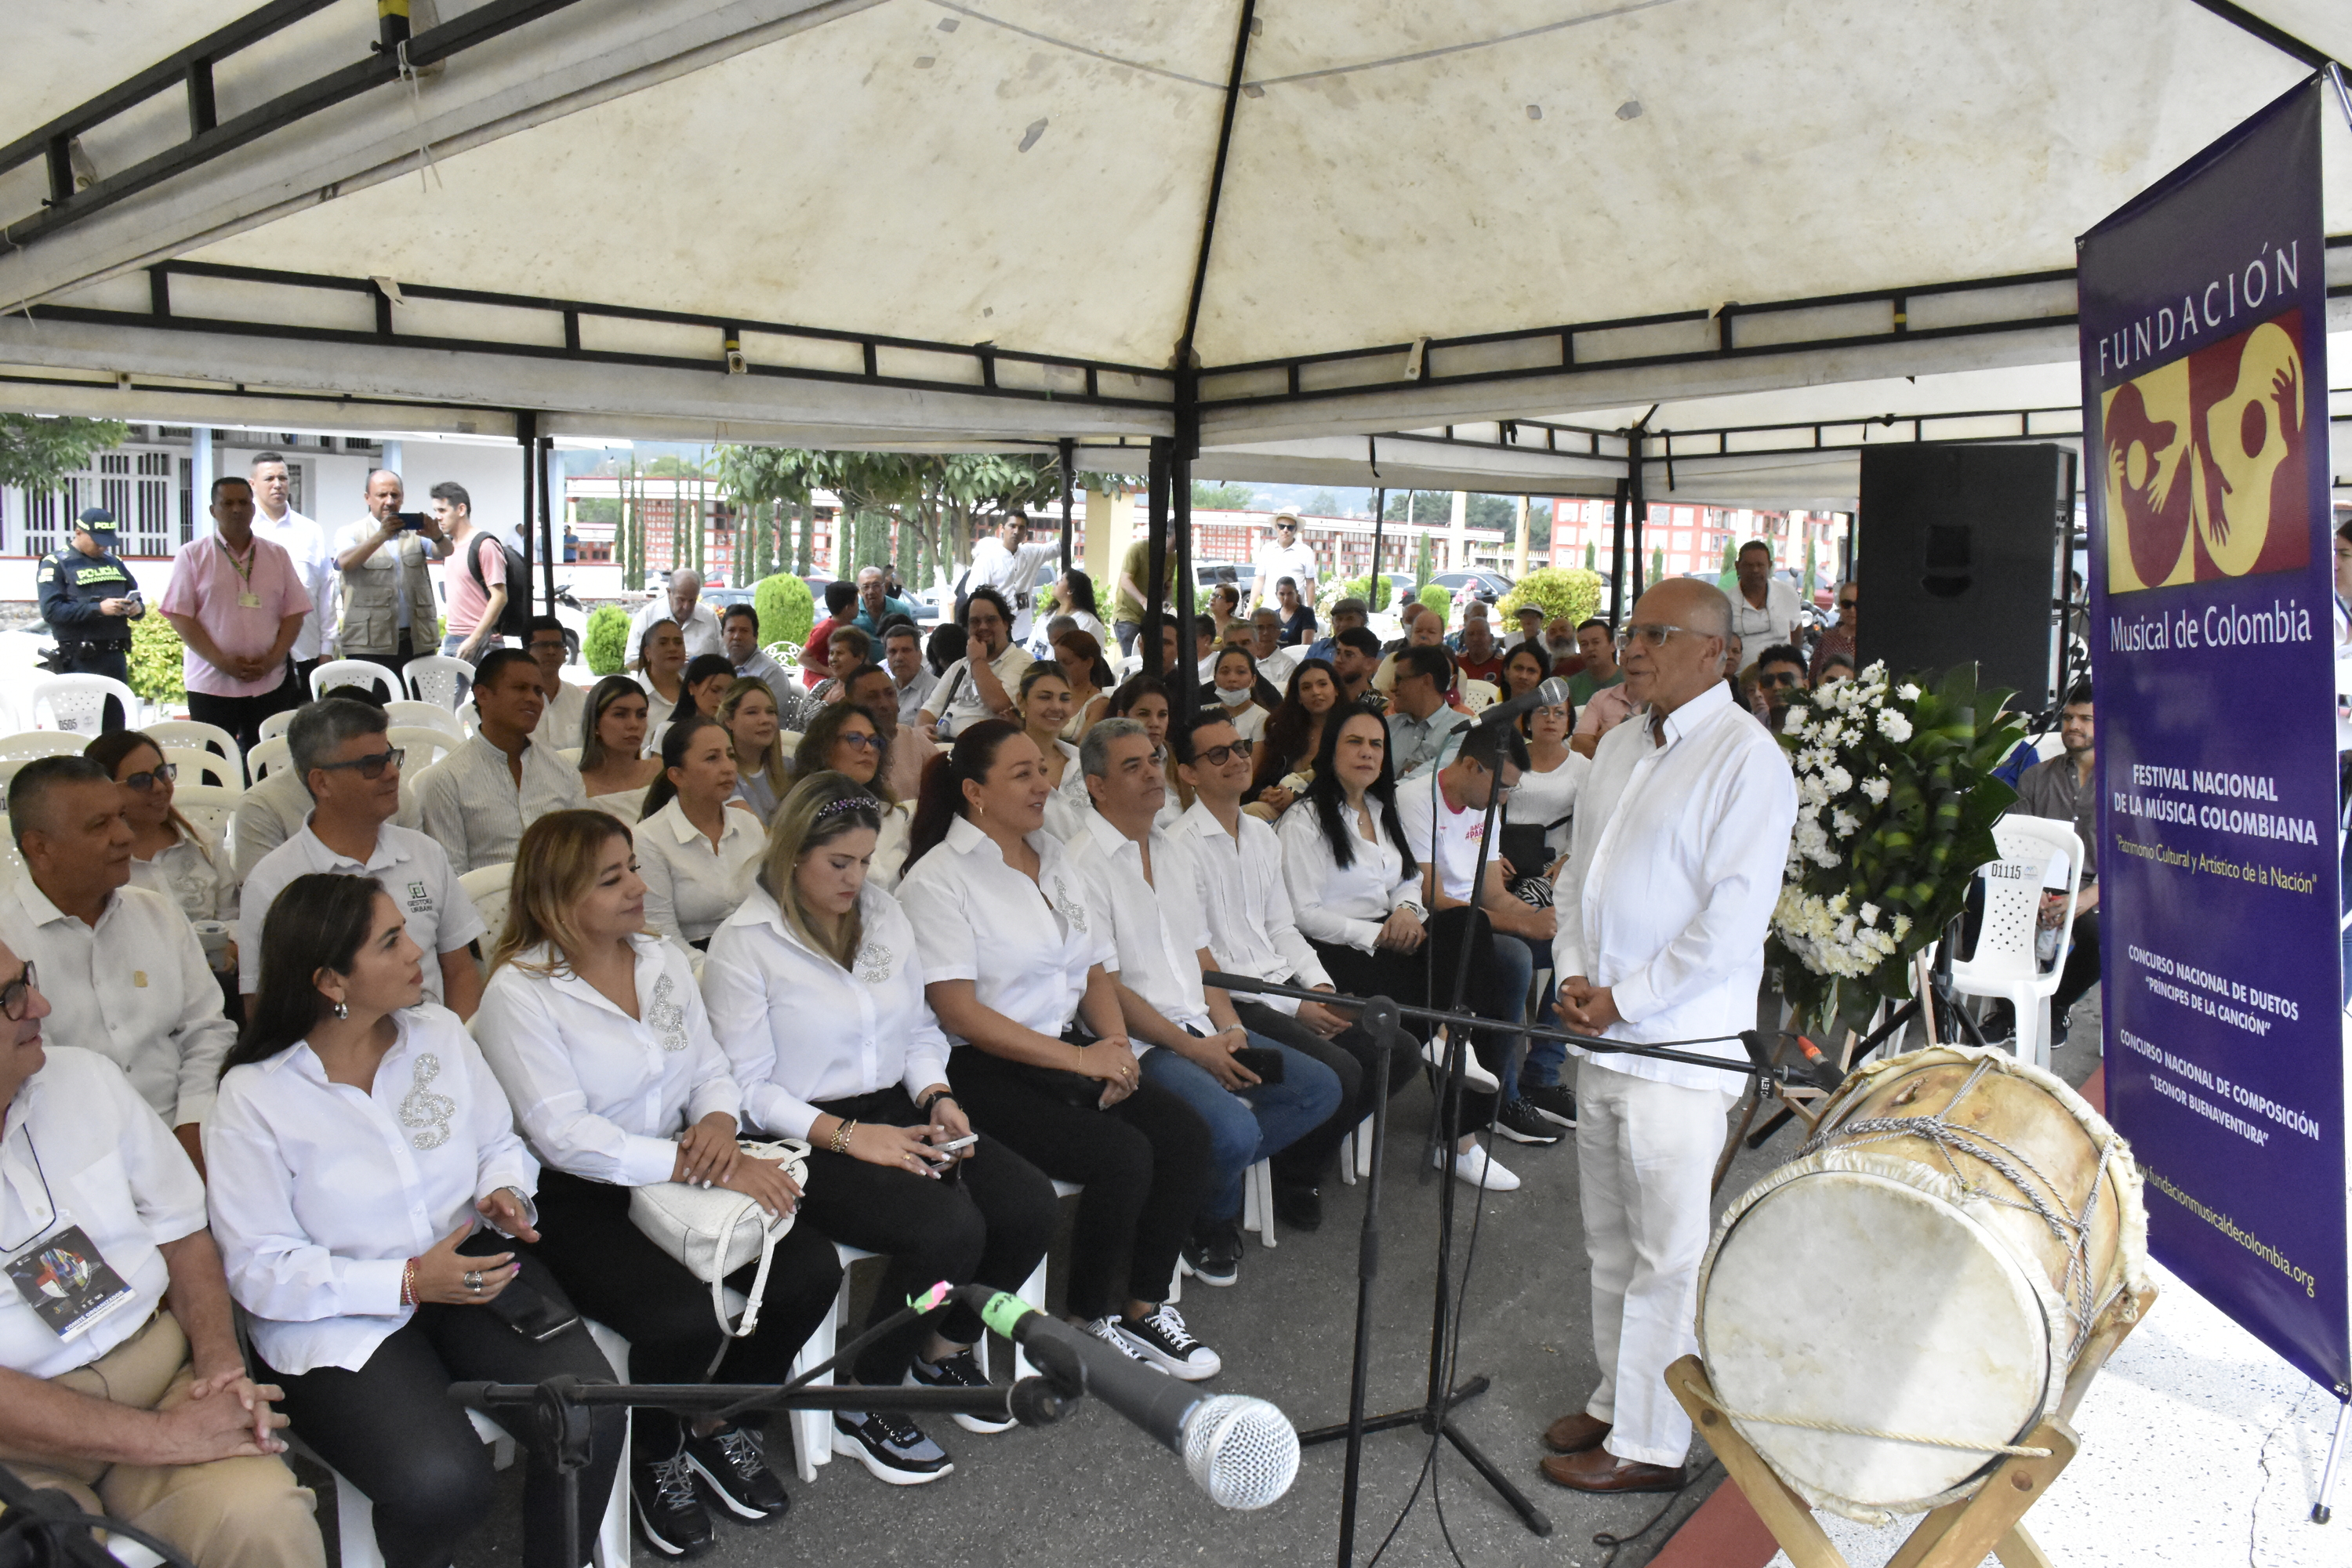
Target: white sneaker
1479 1169
1473 1072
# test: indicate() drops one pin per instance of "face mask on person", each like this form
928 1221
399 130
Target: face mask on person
1233 699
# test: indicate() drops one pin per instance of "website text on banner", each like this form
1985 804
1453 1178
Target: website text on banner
2205 416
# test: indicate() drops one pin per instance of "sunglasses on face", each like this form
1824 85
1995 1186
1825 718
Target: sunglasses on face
860 741
373 766
1846 603
144 781
1782 678
1217 756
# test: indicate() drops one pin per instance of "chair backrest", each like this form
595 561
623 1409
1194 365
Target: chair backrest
78 703
194 733
488 887
407 710
439 679
424 744
199 766
27 744
1478 695
337 673
273 728
270 756
210 808
2013 885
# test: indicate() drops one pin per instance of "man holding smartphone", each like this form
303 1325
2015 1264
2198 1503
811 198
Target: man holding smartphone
383 559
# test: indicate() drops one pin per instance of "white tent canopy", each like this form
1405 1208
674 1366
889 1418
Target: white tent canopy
933 224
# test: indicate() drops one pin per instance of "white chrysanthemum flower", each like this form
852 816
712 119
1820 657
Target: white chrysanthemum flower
1869 914
1894 726
1909 692
1876 788
1839 781
1902 927
1844 823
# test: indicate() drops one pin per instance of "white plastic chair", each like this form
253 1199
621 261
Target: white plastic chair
198 733
409 711
813 1429
15 751
337 674
488 887
199 766
1257 1200
209 808
2004 963
439 679
272 728
424 744
268 756
77 703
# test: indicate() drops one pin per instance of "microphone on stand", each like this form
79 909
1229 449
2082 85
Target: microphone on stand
1550 693
1243 1452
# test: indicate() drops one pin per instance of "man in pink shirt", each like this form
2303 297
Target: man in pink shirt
238 602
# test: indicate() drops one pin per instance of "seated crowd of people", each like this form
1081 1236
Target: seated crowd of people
942 912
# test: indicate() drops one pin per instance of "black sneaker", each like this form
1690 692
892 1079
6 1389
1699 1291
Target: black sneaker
890 1446
1523 1123
1552 1101
734 1468
672 1517
1212 1255
1161 1340
1106 1331
961 1370
1300 1207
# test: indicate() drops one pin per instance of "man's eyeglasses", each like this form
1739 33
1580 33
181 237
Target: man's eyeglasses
16 996
555 645
371 767
1650 633
1776 677
1217 756
143 782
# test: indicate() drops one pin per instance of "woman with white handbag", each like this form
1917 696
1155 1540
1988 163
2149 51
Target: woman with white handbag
815 993
597 1031
362 1158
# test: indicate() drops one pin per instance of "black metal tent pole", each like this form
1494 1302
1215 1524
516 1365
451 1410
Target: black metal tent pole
1069 450
1374 584
1617 560
1183 682
547 519
1638 505
527 433
1156 526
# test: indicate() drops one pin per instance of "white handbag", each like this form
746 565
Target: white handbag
714 1231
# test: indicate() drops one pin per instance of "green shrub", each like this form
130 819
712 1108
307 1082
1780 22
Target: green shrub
1355 588
1563 591
1438 598
605 645
787 609
155 669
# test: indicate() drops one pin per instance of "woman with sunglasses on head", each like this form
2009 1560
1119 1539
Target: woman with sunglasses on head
846 740
169 853
1294 735
614 769
815 989
695 842
1013 969
367 1190
596 1030
762 773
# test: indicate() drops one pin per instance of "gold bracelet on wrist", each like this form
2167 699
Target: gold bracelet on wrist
839 1143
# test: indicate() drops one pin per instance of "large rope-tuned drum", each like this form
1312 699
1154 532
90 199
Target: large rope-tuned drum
1888 1315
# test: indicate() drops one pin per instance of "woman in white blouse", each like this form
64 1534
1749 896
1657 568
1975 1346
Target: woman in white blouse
169 853
1045 705
661 661
357 1149
815 992
614 769
1015 974
843 739
1535 830
1233 682
597 1032
694 849
748 714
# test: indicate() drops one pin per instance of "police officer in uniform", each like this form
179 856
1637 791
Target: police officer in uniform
89 599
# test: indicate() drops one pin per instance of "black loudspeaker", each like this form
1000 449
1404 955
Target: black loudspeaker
1957 560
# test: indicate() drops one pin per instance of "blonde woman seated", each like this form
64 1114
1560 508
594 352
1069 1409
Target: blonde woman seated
1045 709
597 1032
614 769
815 990
695 849
748 714
847 739
661 667
365 1180
169 853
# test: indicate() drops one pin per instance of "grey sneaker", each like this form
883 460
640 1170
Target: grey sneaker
890 1446
961 1370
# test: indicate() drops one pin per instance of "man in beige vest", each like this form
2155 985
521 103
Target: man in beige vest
390 615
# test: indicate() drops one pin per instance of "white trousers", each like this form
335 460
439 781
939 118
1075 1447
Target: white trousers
1645 1153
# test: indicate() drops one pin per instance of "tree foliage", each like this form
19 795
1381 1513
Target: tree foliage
36 454
606 646
1562 591
787 609
1222 497
156 664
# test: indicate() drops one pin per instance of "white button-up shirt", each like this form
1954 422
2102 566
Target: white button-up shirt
1012 573
799 1028
1158 924
1251 929
1277 560
1673 867
194 873
305 542
598 1093
1758 628
135 989
564 722
692 885
1025 946
700 628
322 1192
915 694
407 865
470 802
1343 905
960 693
81 1148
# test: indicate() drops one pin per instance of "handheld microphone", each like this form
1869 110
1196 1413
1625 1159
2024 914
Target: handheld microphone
1550 693
1243 1452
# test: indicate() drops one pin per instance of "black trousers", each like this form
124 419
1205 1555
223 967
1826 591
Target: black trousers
2081 965
990 1225
618 1277
242 715
390 1430
1352 1055
1144 1163
1411 978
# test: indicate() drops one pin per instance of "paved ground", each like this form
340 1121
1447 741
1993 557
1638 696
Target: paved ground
1095 1490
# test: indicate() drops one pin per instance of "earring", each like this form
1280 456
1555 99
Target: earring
342 1011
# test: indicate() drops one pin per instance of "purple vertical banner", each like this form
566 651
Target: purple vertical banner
2204 314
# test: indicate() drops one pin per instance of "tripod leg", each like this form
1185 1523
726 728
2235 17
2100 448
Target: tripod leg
1530 1515
2321 1507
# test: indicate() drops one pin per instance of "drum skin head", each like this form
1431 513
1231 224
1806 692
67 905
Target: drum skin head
1860 1290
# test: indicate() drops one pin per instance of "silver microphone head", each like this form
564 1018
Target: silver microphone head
1552 692
1241 1451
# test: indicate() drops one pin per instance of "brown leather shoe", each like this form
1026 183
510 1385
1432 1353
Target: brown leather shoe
1599 1471
1577 1434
